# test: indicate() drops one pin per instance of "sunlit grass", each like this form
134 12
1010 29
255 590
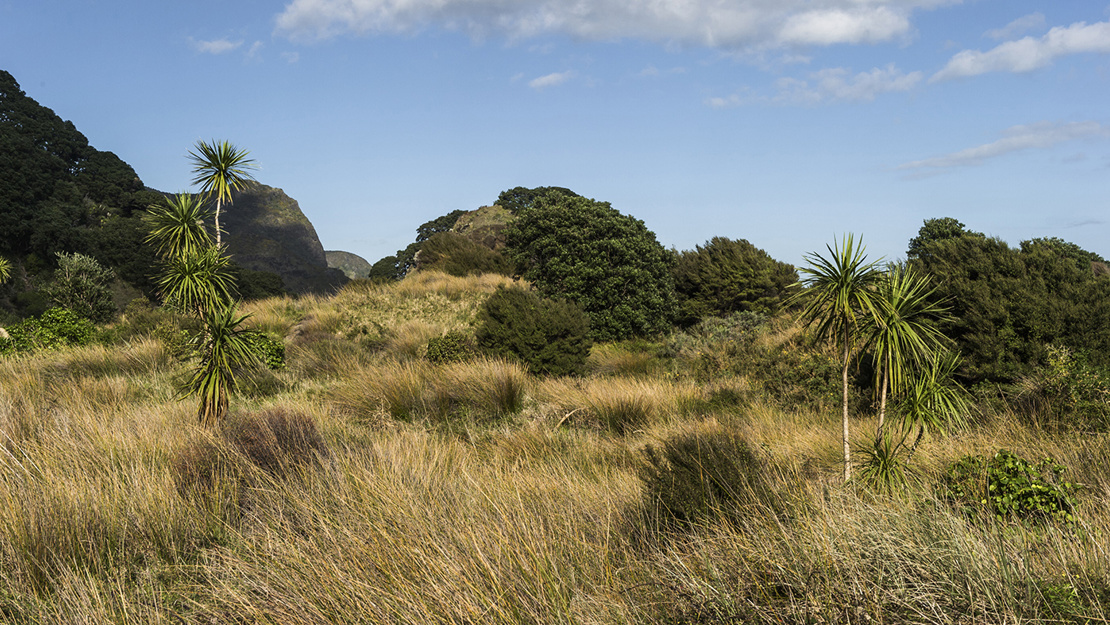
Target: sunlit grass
474 492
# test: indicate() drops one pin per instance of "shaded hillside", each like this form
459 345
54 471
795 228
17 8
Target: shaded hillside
266 231
353 265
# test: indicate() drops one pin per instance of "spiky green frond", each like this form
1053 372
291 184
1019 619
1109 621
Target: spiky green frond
220 168
903 332
838 289
223 347
177 226
197 281
5 269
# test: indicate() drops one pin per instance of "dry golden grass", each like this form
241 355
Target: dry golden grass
528 509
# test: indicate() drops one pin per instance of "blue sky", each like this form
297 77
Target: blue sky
784 122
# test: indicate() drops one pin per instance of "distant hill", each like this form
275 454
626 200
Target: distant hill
60 194
353 265
266 231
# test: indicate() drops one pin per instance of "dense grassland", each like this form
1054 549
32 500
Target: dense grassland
364 484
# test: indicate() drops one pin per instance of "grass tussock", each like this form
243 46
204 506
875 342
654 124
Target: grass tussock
477 389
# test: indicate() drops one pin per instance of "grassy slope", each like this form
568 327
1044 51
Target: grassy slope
429 508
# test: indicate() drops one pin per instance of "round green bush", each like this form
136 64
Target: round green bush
549 336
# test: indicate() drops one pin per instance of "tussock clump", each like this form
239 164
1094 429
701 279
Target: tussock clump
618 404
277 439
480 389
706 473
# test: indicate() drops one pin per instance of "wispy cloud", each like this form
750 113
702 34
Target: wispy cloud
291 57
1033 21
1029 53
215 46
1041 135
730 25
550 80
835 84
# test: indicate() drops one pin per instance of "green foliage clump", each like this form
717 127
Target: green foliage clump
518 199
83 285
395 267
270 351
57 327
549 336
457 255
726 276
1067 393
1008 486
609 264
453 346
697 476
1008 304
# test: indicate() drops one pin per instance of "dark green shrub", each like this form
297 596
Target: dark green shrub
457 255
698 476
1066 393
57 327
454 346
609 264
726 276
1008 486
549 336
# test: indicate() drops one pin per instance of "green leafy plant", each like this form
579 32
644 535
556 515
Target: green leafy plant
270 351
1008 486
57 327
610 265
726 276
454 346
838 304
223 347
83 285
549 336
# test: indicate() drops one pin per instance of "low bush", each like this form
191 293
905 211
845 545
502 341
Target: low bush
57 327
454 346
1008 487
457 255
550 337
270 350
704 474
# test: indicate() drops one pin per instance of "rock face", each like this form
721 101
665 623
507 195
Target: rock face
353 265
266 231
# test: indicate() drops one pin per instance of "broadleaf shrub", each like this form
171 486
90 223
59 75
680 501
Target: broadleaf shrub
454 346
270 351
57 327
1008 486
549 336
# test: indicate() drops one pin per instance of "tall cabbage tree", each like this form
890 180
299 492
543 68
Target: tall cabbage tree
198 281
5 269
903 333
220 168
838 303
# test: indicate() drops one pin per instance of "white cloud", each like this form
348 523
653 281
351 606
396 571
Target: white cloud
835 84
1041 135
255 50
550 80
291 57
1033 21
216 46
1029 53
860 25
726 24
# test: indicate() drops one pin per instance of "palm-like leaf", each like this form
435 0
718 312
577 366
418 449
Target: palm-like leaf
933 400
223 347
5 269
197 281
903 331
177 227
220 168
837 303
